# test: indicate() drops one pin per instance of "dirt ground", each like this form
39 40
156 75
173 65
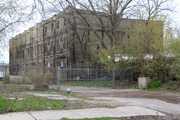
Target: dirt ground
164 96
168 97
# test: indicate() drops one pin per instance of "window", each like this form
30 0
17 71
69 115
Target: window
62 64
35 50
51 45
41 48
37 32
52 27
38 48
57 24
64 21
64 42
57 43
61 37
48 40
61 50
45 30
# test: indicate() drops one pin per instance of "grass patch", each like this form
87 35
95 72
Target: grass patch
28 102
134 86
104 118
40 89
123 118
15 88
92 83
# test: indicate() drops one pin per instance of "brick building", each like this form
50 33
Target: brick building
60 41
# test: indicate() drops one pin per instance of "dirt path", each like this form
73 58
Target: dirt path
168 97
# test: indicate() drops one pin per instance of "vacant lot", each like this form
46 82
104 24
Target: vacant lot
20 96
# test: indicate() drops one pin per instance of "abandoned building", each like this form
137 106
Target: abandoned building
60 41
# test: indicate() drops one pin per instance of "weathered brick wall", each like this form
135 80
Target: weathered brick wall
54 40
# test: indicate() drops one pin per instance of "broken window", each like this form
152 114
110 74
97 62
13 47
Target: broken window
61 50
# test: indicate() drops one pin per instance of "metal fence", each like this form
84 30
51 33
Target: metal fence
4 72
91 78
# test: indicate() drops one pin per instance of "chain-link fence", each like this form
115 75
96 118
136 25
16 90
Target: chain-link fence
59 78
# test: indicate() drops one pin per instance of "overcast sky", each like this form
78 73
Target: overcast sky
175 17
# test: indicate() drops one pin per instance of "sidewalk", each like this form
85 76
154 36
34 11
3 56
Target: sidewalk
81 113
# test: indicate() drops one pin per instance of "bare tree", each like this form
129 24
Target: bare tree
108 16
12 13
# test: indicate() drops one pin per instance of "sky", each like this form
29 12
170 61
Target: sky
175 17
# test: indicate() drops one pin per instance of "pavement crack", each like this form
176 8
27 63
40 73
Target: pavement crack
31 115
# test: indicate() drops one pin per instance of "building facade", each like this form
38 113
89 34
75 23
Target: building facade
60 41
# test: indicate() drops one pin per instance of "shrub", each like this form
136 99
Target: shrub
6 78
154 83
42 79
30 75
95 60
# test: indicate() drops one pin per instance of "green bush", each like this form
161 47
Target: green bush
30 75
154 83
95 60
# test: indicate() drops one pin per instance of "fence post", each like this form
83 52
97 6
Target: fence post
101 77
58 79
5 77
124 73
88 76
34 77
132 72
113 78
70 72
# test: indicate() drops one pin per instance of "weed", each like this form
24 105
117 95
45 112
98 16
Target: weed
134 86
4 104
40 89
29 102
92 83
154 83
